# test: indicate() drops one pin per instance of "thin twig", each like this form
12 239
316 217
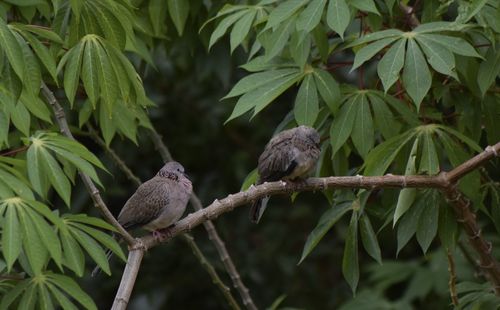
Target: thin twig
452 283
15 151
128 279
185 237
91 188
211 270
212 232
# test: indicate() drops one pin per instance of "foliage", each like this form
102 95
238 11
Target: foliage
420 96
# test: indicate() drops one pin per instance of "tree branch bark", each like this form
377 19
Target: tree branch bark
128 279
89 185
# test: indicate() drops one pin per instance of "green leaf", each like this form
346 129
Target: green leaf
90 71
367 52
36 106
325 223
72 71
103 238
489 69
69 286
63 301
491 112
48 237
447 228
439 57
363 133
72 254
428 222
391 64
343 124
467 10
11 236
440 26
222 27
306 103
262 96
250 179
279 39
29 298
338 16
43 54
20 117
259 79
92 248
107 79
283 11
33 247
456 45
374 36
365 6
384 119
56 175
408 224
369 239
429 161
178 10
108 23
12 295
45 300
328 89
92 221
407 195
241 29
416 75
350 264
311 16
11 47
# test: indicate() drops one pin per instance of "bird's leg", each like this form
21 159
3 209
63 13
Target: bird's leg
162 234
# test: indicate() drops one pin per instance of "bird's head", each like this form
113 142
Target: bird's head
310 133
172 168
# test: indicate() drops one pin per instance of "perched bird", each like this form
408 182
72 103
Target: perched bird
158 203
289 155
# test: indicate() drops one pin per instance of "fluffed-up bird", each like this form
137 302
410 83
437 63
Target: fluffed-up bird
158 203
290 155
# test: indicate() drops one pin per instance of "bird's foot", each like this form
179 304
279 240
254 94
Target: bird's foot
162 234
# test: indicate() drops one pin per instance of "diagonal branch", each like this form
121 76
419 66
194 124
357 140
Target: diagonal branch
213 235
120 298
91 188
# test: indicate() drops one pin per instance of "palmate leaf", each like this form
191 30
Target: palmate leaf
310 17
42 163
45 290
27 227
283 12
12 177
416 75
11 48
338 16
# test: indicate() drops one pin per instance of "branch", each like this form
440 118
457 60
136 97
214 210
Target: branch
127 280
212 232
452 283
91 188
444 181
211 270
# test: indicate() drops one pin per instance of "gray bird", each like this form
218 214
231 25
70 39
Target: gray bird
290 155
158 203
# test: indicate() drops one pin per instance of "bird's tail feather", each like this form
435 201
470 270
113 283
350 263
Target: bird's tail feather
257 209
97 270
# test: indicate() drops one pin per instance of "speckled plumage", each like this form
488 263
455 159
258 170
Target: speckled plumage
289 155
158 203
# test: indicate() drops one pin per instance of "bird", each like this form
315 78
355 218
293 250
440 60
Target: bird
290 155
158 203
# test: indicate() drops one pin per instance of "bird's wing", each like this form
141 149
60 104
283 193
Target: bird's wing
277 160
145 205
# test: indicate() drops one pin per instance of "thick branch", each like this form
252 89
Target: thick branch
213 235
91 188
128 279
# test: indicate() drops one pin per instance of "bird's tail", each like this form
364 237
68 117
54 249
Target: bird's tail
257 209
97 270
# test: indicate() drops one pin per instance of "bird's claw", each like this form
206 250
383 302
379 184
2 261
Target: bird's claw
161 234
